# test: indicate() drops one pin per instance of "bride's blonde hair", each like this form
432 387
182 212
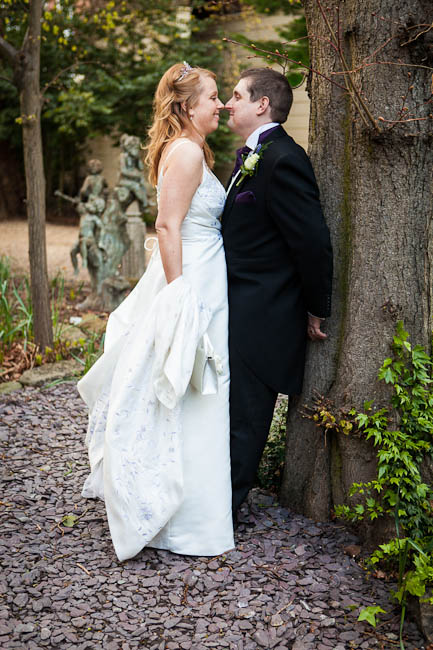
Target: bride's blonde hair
179 85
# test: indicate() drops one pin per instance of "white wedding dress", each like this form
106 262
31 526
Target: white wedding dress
159 450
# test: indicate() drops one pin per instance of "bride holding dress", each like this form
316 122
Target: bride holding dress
159 450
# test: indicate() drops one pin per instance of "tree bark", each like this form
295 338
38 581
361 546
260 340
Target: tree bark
30 102
376 195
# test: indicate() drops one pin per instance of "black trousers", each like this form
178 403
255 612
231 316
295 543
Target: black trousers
251 409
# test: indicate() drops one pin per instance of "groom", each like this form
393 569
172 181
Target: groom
279 265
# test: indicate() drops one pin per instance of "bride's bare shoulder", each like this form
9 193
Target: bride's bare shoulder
179 150
183 145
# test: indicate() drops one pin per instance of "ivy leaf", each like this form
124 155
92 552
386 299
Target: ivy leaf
415 585
387 375
369 614
362 420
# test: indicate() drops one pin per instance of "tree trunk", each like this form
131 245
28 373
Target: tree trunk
376 195
30 101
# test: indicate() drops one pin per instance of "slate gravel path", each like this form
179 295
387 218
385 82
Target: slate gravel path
288 584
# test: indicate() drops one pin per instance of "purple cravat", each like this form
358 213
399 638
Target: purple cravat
239 153
246 150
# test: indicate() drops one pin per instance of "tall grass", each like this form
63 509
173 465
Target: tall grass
24 305
90 351
16 313
16 310
5 268
16 321
57 299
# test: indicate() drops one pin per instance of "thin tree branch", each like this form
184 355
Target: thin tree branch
69 67
8 81
424 31
410 119
286 58
353 90
368 65
8 51
381 47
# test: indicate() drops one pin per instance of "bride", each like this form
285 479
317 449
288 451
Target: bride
159 448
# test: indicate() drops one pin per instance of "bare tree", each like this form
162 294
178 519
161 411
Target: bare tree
371 147
25 63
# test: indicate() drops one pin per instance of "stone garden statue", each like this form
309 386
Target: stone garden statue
114 240
103 237
88 241
94 184
131 170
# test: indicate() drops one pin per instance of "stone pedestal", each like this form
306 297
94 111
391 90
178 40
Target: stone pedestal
114 291
133 263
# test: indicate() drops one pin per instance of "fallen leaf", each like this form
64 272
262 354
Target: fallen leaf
69 520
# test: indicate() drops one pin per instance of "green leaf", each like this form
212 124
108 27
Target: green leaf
387 375
69 520
362 420
369 614
415 585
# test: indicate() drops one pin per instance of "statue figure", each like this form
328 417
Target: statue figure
90 203
94 184
87 245
103 238
131 171
114 240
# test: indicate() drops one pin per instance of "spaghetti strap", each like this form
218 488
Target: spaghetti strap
174 147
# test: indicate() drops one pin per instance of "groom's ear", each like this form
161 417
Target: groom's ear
263 105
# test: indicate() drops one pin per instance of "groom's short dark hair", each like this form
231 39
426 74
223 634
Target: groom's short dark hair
263 82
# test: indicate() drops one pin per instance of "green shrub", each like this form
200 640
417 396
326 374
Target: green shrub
271 466
16 313
403 436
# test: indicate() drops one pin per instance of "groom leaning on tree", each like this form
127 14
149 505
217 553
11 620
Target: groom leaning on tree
279 264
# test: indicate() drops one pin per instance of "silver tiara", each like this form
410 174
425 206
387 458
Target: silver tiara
185 70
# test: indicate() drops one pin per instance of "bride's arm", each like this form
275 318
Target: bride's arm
181 179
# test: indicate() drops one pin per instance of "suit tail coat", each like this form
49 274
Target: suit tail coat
279 263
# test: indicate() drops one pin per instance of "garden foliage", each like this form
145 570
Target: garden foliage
402 434
16 326
100 64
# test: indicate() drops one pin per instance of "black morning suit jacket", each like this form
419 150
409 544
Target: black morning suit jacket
279 263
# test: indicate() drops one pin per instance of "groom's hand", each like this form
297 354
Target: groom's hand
313 329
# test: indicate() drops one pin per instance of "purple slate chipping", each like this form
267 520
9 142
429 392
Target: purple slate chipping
287 582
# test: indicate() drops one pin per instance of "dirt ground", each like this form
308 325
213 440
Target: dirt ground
60 239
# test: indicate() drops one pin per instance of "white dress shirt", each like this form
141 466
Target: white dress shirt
253 138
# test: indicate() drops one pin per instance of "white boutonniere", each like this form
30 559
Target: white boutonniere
249 166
